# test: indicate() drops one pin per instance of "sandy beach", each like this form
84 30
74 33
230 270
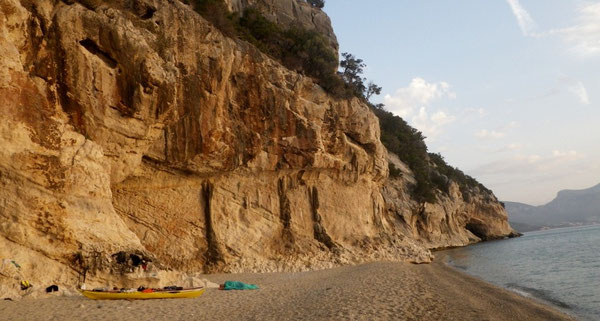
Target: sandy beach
375 291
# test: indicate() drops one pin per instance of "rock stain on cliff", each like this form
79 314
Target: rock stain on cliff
213 254
285 214
319 231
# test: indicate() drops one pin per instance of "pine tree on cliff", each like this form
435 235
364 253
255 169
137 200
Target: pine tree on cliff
372 89
352 69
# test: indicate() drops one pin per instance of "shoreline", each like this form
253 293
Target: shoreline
443 261
372 291
553 267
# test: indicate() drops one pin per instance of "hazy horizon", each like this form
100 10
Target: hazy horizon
505 90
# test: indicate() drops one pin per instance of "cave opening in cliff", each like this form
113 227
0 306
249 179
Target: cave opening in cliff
148 14
94 49
477 228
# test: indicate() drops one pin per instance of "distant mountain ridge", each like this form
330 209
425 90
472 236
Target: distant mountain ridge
570 207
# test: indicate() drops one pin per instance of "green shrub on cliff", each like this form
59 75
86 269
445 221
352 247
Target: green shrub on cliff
298 49
317 3
217 13
352 69
394 171
409 144
308 52
466 183
431 170
253 27
305 51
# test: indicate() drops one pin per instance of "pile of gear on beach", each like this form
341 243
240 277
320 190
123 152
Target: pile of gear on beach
169 292
10 269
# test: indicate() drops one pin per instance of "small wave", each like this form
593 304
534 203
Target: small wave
538 294
453 263
461 267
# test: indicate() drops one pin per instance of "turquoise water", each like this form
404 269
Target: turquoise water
559 267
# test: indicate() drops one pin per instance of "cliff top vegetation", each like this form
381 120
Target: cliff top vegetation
307 51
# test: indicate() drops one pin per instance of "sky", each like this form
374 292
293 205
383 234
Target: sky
506 90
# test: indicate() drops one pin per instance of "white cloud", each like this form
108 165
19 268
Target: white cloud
524 19
530 164
431 125
534 178
532 159
574 87
468 115
584 37
489 149
475 111
578 89
413 103
513 146
504 149
569 155
496 133
484 133
419 93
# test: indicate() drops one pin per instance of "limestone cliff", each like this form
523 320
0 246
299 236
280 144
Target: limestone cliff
133 131
290 13
455 220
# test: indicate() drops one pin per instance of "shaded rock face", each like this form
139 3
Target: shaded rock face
56 198
290 13
134 129
449 223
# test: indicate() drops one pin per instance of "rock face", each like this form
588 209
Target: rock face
134 132
452 221
290 13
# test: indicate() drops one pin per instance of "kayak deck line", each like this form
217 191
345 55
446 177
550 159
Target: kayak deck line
139 295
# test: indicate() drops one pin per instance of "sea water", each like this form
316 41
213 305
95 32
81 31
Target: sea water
559 267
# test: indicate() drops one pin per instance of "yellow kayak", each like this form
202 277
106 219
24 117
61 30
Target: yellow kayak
137 295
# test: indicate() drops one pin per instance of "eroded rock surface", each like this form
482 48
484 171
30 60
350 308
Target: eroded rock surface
290 13
455 220
136 127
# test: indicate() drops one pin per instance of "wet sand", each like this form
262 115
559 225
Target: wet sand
375 291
